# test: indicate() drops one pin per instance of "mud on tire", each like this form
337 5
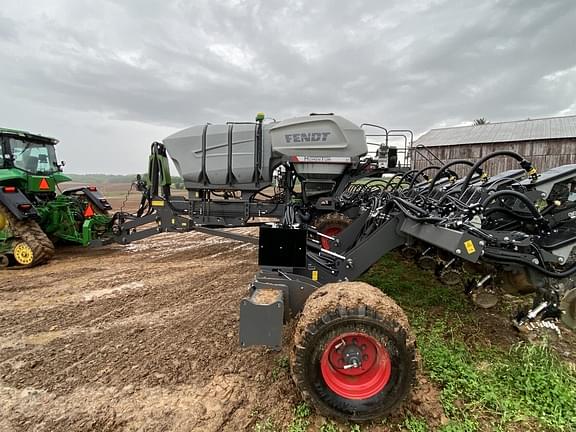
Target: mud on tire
357 317
29 232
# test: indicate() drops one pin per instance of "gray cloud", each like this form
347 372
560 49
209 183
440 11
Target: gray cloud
108 77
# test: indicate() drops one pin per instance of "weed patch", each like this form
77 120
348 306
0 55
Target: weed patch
524 388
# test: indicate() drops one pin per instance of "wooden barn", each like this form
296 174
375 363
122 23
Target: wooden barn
546 142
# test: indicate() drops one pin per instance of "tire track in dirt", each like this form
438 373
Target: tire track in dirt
139 338
156 324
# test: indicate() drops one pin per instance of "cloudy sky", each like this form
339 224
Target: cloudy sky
108 77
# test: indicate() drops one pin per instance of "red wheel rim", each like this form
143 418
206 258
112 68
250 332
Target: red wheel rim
332 232
367 378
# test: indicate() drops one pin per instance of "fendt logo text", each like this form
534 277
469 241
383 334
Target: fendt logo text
307 137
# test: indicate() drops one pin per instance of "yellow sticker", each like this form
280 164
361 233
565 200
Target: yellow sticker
314 275
469 247
157 203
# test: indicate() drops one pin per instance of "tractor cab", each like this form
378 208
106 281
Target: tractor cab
28 162
33 154
36 158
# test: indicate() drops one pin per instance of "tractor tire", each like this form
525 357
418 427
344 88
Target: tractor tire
354 353
31 245
331 224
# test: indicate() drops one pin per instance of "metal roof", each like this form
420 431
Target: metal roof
521 130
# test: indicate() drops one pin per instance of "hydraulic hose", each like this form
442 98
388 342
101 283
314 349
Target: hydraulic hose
416 218
390 180
507 211
523 163
444 168
517 195
419 173
397 185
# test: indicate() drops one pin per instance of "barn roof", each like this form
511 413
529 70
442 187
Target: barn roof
521 130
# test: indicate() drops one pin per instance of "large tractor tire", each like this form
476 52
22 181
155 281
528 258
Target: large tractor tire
331 224
30 245
354 353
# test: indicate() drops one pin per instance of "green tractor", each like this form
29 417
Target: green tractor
33 216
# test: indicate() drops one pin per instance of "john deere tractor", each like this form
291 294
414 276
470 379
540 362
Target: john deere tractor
32 214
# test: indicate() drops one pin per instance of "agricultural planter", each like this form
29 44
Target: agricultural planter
332 213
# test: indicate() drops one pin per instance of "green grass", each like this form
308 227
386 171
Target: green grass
414 289
300 421
526 385
266 425
483 387
281 367
415 424
329 427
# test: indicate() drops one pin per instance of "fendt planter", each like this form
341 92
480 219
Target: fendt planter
32 214
353 352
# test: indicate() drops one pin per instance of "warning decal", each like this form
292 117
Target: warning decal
469 245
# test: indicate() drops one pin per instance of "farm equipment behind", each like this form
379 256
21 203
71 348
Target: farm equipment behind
32 214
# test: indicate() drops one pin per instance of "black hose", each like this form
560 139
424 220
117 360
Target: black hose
417 218
397 185
444 168
390 180
508 212
420 173
523 163
517 195
411 206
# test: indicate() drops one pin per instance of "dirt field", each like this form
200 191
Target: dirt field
142 337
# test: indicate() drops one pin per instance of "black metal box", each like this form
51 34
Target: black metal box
282 247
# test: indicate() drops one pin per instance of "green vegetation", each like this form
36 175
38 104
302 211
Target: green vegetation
300 422
329 427
281 368
414 424
266 425
483 386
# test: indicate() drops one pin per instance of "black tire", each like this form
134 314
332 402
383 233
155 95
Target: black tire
330 222
344 308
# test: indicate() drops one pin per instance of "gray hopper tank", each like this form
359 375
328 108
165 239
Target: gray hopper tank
229 156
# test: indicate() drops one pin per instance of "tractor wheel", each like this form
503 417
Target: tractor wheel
354 354
331 224
31 245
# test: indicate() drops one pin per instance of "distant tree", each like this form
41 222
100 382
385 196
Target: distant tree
480 121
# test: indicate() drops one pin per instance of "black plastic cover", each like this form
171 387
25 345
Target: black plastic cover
282 247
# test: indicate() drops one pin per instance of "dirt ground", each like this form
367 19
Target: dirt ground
144 337
141 337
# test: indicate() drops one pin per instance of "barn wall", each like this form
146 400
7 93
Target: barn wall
544 154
